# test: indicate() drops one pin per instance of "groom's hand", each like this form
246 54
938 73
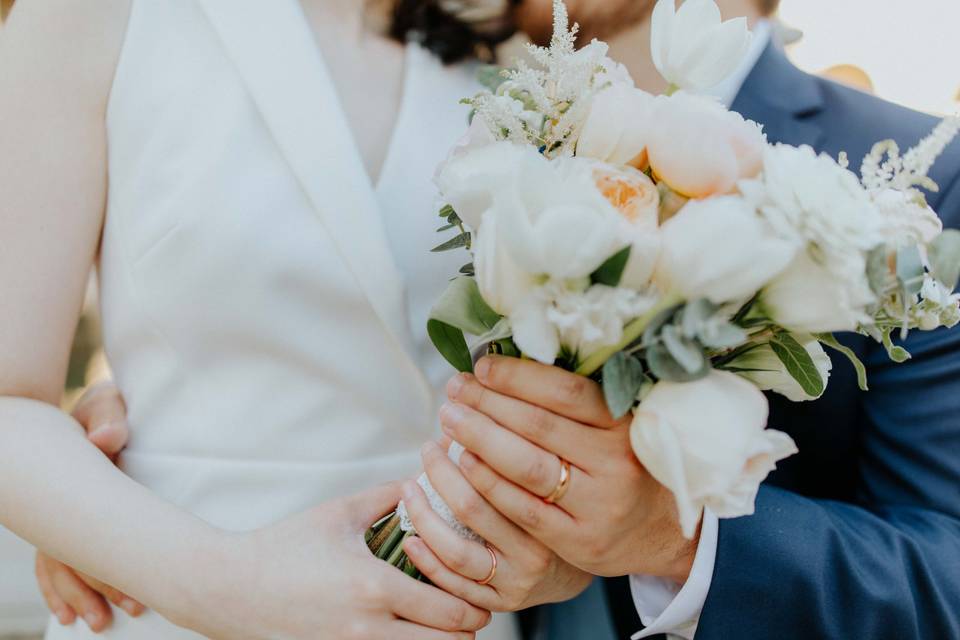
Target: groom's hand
520 420
68 593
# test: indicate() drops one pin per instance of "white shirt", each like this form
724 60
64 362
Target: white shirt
663 605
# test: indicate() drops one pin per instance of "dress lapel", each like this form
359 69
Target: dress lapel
276 54
782 98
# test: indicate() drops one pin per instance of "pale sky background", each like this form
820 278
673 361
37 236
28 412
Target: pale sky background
910 48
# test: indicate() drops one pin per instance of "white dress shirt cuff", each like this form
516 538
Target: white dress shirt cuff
666 607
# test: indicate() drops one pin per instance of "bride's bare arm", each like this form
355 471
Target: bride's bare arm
56 65
310 576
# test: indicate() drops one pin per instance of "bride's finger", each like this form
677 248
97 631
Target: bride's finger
450 581
466 557
403 630
428 605
513 457
470 508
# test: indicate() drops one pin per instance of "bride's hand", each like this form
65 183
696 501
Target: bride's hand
527 573
68 593
311 576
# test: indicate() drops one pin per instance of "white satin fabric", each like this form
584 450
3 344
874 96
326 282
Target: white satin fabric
264 305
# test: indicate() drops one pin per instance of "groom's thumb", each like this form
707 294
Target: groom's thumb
366 508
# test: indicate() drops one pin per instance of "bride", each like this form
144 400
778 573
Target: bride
252 180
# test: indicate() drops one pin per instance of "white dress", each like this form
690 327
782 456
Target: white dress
264 305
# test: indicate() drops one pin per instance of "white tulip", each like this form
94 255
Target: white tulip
762 367
809 297
692 48
616 130
502 283
719 249
706 442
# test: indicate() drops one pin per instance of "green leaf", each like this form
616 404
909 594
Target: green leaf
446 211
611 271
831 341
461 306
446 227
468 269
451 344
664 367
799 363
897 353
623 377
461 240
695 314
507 347
491 77
944 255
878 269
910 270
722 335
685 352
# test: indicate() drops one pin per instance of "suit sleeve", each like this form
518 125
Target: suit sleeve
886 566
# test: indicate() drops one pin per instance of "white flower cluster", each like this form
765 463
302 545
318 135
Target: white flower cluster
661 245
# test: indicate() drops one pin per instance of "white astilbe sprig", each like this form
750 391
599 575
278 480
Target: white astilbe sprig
884 167
545 103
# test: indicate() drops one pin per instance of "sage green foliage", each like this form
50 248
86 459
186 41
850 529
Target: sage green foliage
623 377
829 340
944 256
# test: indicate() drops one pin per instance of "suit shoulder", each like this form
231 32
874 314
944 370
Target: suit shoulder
861 120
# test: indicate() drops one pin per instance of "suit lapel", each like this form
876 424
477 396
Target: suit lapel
275 52
782 98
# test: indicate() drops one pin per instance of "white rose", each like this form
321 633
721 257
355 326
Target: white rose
762 367
706 442
692 48
905 220
719 249
810 298
502 283
616 130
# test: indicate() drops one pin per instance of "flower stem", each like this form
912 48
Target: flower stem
630 333
397 557
393 535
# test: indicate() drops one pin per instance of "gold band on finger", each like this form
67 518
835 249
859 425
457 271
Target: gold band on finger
562 485
493 567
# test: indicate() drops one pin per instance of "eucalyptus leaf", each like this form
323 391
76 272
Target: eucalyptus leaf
831 341
944 256
451 344
685 352
910 270
656 324
461 306
897 353
623 377
695 315
799 363
491 77
664 367
722 335
878 269
456 242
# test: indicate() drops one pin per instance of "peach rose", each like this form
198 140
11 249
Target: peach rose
699 148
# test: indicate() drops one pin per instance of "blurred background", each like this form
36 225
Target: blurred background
907 52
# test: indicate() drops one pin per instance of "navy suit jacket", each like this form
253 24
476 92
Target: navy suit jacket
857 536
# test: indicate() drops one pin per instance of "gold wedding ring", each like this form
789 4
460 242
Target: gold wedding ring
562 485
493 567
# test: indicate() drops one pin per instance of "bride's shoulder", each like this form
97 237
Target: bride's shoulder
70 44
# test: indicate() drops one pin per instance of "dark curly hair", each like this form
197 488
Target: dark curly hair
436 25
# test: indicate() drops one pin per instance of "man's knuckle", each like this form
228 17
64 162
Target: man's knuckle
469 506
573 388
535 474
540 423
530 517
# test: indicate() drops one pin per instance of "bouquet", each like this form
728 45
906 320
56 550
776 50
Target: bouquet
660 246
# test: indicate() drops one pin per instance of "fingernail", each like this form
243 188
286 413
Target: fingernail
451 413
108 426
92 619
482 369
129 606
455 386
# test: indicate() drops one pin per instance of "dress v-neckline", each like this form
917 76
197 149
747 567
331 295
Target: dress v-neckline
410 62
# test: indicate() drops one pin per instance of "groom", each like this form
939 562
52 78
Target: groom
858 536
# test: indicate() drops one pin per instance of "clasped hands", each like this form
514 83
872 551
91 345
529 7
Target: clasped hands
519 421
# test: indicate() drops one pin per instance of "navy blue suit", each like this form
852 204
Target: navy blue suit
857 536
